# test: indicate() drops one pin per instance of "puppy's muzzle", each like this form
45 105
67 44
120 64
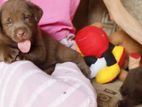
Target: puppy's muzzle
22 34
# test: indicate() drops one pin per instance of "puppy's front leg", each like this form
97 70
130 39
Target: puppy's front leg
83 66
8 54
65 54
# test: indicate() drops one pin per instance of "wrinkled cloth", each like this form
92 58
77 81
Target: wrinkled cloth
22 84
57 16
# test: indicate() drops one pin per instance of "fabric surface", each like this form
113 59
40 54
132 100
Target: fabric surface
108 95
57 16
22 84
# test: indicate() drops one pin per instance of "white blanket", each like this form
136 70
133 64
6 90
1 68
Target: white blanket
22 84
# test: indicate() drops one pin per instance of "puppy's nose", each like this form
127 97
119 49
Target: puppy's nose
20 33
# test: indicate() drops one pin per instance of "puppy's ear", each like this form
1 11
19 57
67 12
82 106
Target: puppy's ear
37 11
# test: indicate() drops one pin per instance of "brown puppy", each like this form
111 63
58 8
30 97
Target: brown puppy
19 19
131 89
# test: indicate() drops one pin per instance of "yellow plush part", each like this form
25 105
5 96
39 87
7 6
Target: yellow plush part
117 52
107 74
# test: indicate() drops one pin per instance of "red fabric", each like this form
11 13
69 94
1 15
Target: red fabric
135 55
92 41
123 56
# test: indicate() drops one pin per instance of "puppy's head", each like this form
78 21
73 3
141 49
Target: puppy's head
19 19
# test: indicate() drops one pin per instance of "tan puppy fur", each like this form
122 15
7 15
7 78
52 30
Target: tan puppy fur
121 38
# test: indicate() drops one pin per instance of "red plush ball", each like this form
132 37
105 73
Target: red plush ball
92 41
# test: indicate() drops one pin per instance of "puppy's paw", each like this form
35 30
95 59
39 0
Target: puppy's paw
9 54
84 68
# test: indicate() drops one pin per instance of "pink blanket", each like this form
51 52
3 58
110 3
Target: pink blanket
22 84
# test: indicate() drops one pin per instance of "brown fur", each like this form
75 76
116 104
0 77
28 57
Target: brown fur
131 89
45 52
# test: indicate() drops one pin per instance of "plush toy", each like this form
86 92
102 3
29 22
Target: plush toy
103 58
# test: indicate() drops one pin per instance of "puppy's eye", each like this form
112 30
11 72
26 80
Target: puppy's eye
27 18
9 21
